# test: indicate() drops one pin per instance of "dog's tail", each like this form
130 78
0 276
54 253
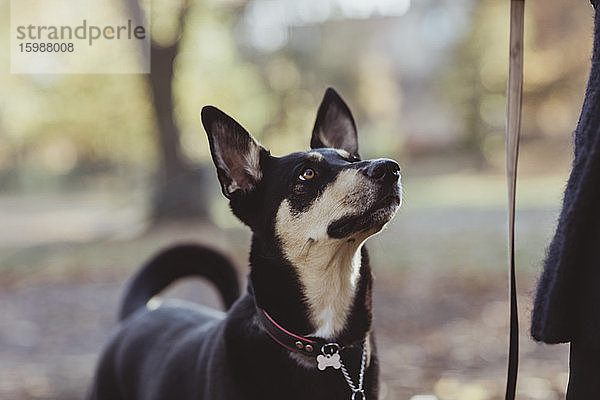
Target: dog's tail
178 262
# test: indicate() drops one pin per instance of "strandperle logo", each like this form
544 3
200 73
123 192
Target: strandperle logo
84 31
79 37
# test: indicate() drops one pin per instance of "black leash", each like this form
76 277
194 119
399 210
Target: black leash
514 97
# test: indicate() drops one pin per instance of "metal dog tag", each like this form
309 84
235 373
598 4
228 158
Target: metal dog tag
328 360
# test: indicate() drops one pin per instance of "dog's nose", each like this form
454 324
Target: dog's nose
383 170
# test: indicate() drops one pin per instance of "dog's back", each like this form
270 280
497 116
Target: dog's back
170 330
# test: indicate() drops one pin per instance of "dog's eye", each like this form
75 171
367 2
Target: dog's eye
307 175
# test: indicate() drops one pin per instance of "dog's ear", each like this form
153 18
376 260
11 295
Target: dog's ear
235 152
334 126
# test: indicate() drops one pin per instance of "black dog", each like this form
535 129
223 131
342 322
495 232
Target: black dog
303 330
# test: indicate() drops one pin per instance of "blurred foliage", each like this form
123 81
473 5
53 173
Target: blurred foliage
557 53
76 125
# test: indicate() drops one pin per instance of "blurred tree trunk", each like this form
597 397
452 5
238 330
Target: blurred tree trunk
161 85
178 192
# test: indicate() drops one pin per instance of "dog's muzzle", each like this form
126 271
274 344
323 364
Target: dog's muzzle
384 177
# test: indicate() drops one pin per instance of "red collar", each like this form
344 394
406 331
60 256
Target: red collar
309 346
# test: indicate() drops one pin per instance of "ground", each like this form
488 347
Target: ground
440 296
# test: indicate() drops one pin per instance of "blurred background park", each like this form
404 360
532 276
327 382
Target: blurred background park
97 172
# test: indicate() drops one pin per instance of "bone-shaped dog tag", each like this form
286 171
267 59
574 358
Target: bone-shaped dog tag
328 360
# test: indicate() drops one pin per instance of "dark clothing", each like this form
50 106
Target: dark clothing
584 366
567 304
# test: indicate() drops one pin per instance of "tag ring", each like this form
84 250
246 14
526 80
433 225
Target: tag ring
334 347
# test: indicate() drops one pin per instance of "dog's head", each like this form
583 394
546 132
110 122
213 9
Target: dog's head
326 193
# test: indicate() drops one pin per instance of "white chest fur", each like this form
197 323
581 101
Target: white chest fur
327 268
